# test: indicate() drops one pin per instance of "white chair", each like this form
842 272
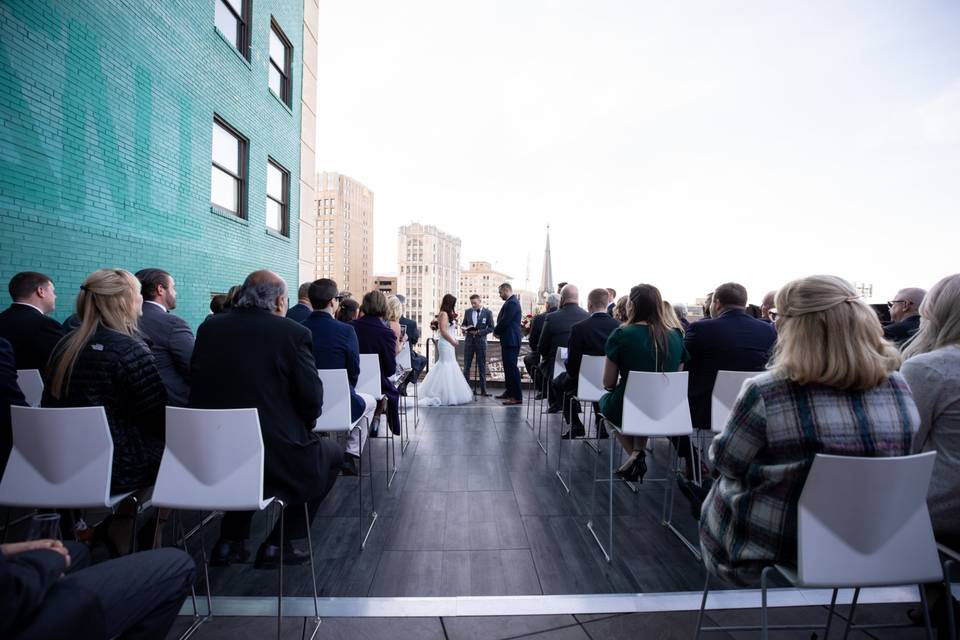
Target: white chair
61 459
861 522
31 384
654 405
336 418
726 390
369 383
405 362
589 390
213 461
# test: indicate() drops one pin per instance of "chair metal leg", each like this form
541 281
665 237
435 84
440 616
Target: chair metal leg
198 620
703 605
764 631
404 425
283 508
606 554
313 574
853 611
391 451
926 609
559 471
373 505
667 514
833 606
948 592
539 418
596 428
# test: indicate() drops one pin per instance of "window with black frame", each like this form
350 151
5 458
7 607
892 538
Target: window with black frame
228 173
278 196
281 52
232 19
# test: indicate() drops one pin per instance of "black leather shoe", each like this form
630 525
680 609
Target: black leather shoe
268 555
554 409
573 433
539 396
227 552
349 466
375 427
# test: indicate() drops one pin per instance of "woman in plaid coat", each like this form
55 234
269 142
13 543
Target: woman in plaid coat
832 388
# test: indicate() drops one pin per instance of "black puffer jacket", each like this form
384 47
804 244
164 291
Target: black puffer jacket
119 373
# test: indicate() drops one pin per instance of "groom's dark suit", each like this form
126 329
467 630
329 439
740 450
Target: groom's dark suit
508 330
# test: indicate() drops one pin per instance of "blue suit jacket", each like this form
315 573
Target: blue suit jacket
508 323
733 341
335 346
299 312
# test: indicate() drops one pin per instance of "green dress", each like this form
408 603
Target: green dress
631 348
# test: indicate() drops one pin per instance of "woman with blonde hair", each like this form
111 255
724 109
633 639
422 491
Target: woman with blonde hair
832 387
670 318
104 362
394 311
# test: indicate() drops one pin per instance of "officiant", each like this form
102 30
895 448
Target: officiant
477 324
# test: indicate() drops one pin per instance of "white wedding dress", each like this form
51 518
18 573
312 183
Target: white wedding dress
445 384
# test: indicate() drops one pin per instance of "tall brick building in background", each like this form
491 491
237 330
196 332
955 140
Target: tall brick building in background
173 134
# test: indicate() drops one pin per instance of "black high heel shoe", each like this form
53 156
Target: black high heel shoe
637 470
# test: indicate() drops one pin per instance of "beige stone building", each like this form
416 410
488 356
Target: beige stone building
483 280
429 264
387 285
307 251
344 232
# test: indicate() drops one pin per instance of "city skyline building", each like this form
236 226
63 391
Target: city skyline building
344 231
387 285
481 278
429 267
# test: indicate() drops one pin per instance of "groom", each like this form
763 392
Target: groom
508 330
477 323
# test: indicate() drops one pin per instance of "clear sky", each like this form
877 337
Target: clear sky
680 144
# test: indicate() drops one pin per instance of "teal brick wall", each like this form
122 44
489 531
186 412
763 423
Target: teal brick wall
106 111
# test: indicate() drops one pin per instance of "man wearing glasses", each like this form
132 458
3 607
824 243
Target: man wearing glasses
905 314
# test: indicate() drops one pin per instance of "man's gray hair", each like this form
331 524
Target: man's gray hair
680 309
553 301
262 295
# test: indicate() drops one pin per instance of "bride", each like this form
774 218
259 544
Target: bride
445 384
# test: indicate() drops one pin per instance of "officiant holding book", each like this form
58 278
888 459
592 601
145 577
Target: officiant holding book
477 324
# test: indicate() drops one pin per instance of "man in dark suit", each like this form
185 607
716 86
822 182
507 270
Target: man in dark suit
611 300
730 340
477 325
508 331
27 324
335 346
254 357
556 334
587 338
170 336
417 361
905 314
531 361
10 396
300 311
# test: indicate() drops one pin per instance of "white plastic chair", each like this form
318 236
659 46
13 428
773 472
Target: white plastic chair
337 418
405 362
589 390
726 390
654 405
213 461
369 382
861 522
31 384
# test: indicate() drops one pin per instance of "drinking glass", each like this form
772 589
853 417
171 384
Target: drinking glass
44 526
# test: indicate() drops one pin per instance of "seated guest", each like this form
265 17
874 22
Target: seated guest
556 334
611 300
394 311
587 338
335 346
348 310
27 325
10 395
680 309
232 295
531 361
217 302
300 311
620 309
905 314
932 369
170 336
644 343
275 373
670 318
830 369
106 363
707 305
766 305
48 590
417 361
375 336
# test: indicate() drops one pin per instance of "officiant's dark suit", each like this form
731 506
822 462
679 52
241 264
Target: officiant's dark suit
556 334
475 342
508 331
253 358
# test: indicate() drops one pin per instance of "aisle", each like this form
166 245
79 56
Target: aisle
475 510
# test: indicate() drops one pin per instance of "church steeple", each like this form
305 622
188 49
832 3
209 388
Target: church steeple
546 279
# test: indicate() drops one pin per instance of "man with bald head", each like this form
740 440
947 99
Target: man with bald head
905 314
556 334
766 305
256 357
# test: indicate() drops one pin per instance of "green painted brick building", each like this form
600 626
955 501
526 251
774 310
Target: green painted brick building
109 156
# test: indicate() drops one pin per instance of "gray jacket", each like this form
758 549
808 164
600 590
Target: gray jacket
172 346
